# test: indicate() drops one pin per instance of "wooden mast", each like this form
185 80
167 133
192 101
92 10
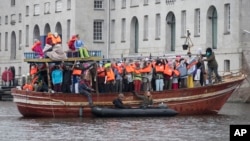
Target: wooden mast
48 72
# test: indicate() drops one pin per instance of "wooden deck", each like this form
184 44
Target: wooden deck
73 59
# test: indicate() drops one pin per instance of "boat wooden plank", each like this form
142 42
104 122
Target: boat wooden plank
48 60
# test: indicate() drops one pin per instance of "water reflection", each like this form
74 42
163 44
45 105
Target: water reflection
180 128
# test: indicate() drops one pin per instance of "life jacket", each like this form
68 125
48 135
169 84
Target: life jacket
35 45
129 69
119 69
110 75
77 71
159 68
137 71
71 43
168 71
56 40
28 87
33 70
176 72
100 72
49 39
147 69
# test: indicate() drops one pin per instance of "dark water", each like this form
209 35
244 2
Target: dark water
13 127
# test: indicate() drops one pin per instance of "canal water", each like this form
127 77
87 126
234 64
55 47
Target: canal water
13 127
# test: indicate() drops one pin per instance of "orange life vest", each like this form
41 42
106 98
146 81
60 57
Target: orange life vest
137 71
101 72
176 72
110 75
77 72
159 68
119 69
168 71
28 87
129 69
147 69
56 40
33 70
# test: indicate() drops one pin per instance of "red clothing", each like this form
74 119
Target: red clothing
137 85
7 76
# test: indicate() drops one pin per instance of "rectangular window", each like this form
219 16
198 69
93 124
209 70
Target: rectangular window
98 4
68 29
19 71
183 23
27 36
98 28
0 20
13 2
112 34
123 36
36 10
123 3
27 10
46 8
197 27
68 4
157 27
145 2
227 19
226 65
112 5
170 2
58 5
145 35
20 40
6 19
134 3
6 41
13 19
157 1
20 18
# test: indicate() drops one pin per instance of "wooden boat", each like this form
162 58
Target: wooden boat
186 101
133 112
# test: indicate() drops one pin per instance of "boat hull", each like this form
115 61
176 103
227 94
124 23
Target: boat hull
188 101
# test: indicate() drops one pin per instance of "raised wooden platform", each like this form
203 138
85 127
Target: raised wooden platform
73 59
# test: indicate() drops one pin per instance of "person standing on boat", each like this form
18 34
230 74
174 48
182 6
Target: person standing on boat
200 68
118 71
109 78
147 73
212 65
137 77
85 90
67 71
147 100
101 77
118 102
191 67
128 77
57 79
158 75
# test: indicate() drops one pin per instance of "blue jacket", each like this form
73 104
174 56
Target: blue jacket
57 76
